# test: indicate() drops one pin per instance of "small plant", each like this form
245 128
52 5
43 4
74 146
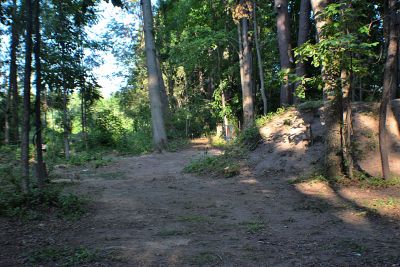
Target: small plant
254 227
263 120
192 219
249 138
222 165
206 258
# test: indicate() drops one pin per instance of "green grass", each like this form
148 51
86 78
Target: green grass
386 203
206 258
175 145
263 120
168 233
222 165
39 202
254 227
63 256
314 177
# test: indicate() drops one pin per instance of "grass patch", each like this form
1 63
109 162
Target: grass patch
222 165
63 256
32 205
385 203
193 219
314 178
254 227
168 233
206 258
218 142
177 145
263 120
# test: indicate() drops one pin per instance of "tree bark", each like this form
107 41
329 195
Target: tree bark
347 128
304 30
332 103
14 131
259 60
388 85
40 172
27 94
285 48
159 133
248 102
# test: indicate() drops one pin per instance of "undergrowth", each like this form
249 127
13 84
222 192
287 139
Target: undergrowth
229 163
63 256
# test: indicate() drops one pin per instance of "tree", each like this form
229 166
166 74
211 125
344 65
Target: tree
259 60
11 120
304 30
40 168
332 101
389 83
27 95
285 49
159 133
242 14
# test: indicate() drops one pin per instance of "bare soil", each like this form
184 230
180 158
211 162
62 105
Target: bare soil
147 212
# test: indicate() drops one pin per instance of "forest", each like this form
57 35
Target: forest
240 133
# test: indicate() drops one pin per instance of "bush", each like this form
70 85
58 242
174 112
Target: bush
249 138
13 202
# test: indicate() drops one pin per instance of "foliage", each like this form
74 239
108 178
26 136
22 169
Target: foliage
36 202
263 120
249 138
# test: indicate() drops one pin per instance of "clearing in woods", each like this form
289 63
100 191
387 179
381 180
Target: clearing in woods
147 212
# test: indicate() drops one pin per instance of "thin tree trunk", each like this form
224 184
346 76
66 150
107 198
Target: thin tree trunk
248 102
40 172
159 133
304 30
7 118
388 85
332 104
259 60
226 121
347 129
285 48
14 131
27 95
65 105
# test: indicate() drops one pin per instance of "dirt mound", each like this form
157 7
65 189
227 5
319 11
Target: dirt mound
294 142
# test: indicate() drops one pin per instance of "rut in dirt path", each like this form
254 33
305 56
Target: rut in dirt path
155 215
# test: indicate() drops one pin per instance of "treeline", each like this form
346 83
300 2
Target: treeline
250 57
47 40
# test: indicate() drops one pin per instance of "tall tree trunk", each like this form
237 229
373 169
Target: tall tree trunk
248 102
347 129
65 117
259 60
159 133
7 118
27 95
332 103
40 172
285 48
304 30
14 131
163 91
388 85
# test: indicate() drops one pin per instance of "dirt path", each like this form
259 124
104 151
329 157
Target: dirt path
152 214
